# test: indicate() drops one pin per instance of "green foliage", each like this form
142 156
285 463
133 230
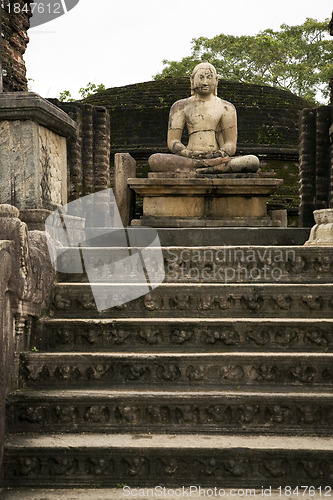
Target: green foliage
65 96
296 58
89 89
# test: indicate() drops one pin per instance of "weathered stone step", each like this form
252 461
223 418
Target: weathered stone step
216 370
73 300
216 264
105 460
196 334
291 411
207 236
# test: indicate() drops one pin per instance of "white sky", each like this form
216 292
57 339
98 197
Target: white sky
122 42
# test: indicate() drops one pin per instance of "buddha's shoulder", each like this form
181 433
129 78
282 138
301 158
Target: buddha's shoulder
181 104
225 105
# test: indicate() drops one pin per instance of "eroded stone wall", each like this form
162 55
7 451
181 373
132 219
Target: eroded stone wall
14 44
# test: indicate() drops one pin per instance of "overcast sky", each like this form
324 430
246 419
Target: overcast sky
122 42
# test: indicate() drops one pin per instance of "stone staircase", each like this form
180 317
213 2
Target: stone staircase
200 382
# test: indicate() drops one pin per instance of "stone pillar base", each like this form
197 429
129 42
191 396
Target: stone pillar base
35 219
193 202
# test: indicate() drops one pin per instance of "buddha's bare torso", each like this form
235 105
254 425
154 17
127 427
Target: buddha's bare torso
211 123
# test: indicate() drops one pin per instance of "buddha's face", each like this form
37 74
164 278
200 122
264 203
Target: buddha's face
204 81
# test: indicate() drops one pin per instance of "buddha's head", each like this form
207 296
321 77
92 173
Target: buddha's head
204 79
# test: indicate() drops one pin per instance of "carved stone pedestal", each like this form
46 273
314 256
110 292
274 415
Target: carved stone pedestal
202 202
33 153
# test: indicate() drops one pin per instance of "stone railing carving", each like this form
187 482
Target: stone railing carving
31 275
26 276
5 273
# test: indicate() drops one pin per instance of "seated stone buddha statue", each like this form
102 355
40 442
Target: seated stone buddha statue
212 129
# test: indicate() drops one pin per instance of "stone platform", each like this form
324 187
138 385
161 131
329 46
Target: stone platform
205 202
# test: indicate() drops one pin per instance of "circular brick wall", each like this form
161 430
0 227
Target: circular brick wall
139 114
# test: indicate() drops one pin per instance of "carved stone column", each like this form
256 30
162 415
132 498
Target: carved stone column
33 154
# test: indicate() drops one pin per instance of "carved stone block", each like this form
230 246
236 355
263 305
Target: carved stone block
33 160
217 370
147 461
209 300
124 168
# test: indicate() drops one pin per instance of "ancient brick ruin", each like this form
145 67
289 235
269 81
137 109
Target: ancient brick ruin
14 44
267 117
222 375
